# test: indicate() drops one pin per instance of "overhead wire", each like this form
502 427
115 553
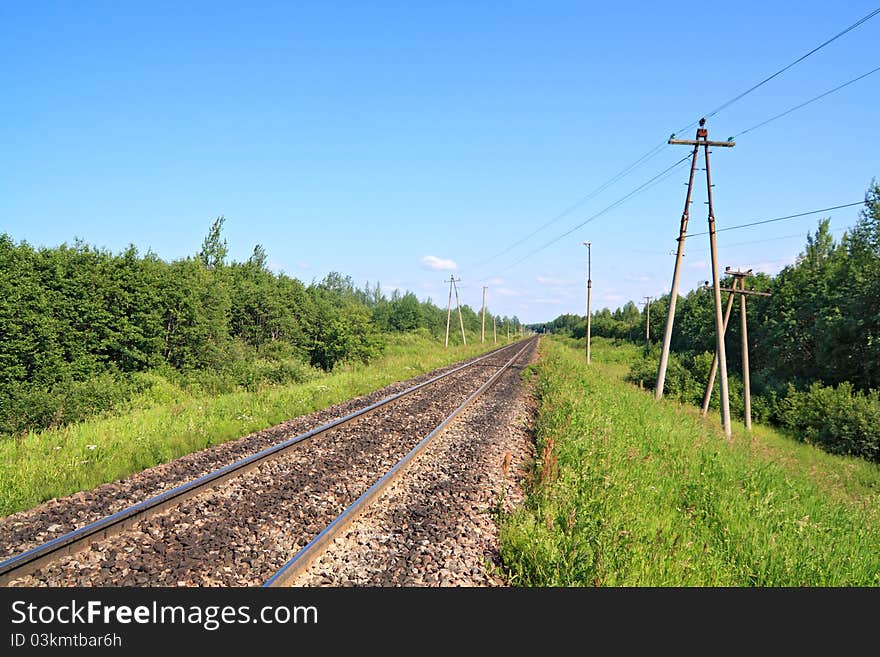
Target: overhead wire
628 196
656 149
804 104
768 221
761 241
745 93
618 176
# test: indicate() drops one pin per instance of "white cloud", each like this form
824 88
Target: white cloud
304 265
438 264
637 278
611 297
506 292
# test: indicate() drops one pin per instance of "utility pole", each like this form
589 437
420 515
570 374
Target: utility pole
714 369
452 282
458 305
647 324
589 286
739 278
702 139
448 310
747 393
483 329
673 295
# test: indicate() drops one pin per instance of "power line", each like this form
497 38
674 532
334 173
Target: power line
768 239
656 149
730 102
619 175
791 216
761 241
804 104
637 190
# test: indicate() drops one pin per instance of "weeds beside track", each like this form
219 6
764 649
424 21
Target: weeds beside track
627 491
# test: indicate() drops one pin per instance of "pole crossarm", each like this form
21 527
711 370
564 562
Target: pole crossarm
730 289
702 142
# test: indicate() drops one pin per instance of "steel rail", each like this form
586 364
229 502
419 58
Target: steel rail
302 559
75 541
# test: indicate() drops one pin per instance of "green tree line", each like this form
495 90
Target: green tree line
83 329
814 344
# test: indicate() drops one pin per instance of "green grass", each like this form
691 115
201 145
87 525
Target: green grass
628 491
169 422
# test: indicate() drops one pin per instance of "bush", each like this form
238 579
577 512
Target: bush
30 408
26 408
248 374
679 383
840 420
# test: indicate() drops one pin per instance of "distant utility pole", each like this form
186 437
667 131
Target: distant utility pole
702 139
452 282
712 371
458 305
589 286
647 324
738 278
483 329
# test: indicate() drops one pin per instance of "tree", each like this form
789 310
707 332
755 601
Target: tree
405 313
214 250
259 258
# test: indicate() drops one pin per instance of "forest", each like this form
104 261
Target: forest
813 345
83 329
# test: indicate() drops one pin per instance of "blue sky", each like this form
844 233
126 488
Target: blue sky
387 140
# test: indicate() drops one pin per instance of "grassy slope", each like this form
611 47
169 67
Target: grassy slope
631 492
171 422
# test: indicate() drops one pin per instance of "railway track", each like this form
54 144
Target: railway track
239 524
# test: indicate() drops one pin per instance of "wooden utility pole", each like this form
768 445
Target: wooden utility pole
738 278
714 369
702 139
448 311
647 324
747 393
589 286
483 329
452 282
673 295
458 305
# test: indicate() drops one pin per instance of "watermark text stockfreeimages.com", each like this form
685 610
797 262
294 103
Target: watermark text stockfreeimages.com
210 617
